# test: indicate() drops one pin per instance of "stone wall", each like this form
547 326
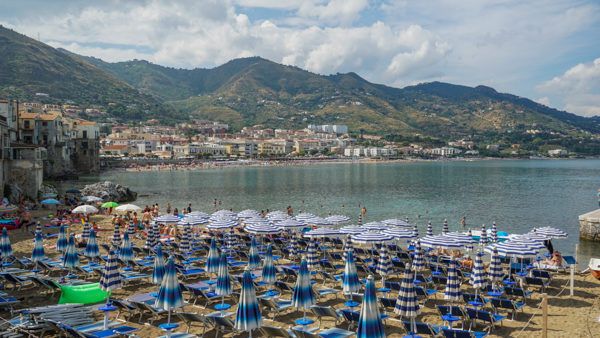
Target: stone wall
589 225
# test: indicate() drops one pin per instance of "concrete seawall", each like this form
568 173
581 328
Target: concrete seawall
589 225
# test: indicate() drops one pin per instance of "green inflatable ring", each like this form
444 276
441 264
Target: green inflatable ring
82 294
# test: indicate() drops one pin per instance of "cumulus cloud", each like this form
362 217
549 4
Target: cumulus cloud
578 88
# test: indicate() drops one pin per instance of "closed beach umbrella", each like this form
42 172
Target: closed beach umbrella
494 234
6 250
150 237
156 231
483 240
85 209
478 274
445 229
312 257
303 296
126 251
248 315
116 239
91 248
429 229
61 241
167 219
293 247
131 229
212 261
452 292
223 287
107 205
111 278
348 247
185 246
229 240
415 231
384 265
38 248
169 295
495 272
350 282
71 258
370 324
407 305
269 273
85 233
418 263
159 267
253 257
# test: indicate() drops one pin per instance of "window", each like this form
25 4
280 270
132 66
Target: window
44 124
85 134
27 124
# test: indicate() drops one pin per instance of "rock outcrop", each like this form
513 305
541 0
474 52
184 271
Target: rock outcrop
109 191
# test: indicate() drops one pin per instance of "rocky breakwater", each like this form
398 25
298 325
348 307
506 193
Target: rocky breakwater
109 191
589 225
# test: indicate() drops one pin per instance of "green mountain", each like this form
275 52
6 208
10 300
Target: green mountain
28 66
253 91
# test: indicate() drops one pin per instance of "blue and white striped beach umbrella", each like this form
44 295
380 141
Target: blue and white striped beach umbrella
38 248
494 234
447 241
293 247
151 236
352 229
483 240
248 315
407 305
370 324
131 229
198 214
158 273
312 256
371 238
350 282
303 296
375 226
111 278
229 240
495 272
469 246
126 251
348 247
61 241
445 229
212 261
223 287
322 233
512 249
194 221
550 232
169 295
269 273
71 257
6 250
429 229
253 257
91 248
359 221
116 239
303 217
185 246
384 265
418 263
452 292
221 223
167 219
319 221
396 222
156 231
527 241
338 219
291 223
224 213
85 234
262 229
478 279
400 233
248 213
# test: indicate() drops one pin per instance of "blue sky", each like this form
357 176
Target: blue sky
547 50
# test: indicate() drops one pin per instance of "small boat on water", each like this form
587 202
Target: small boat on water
594 267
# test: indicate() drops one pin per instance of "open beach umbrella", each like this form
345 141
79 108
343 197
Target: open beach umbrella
291 223
303 296
352 229
348 247
38 248
91 199
223 287
303 217
495 272
312 256
322 232
248 213
6 250
91 247
269 273
407 305
477 278
199 214
185 246
494 234
107 205
418 263
61 241
262 229
127 207
350 282
527 241
445 229
452 291
158 273
253 257
384 265
319 221
429 229
221 223
370 324
50 201
396 222
337 219
483 240
126 251
371 238
248 315
167 219
512 249
375 226
73 191
400 233
192 221
71 258
212 261
169 295
85 209
550 232
116 239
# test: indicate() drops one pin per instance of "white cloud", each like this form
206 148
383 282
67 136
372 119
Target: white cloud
578 88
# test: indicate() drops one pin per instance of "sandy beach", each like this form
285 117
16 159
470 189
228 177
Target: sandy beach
576 316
